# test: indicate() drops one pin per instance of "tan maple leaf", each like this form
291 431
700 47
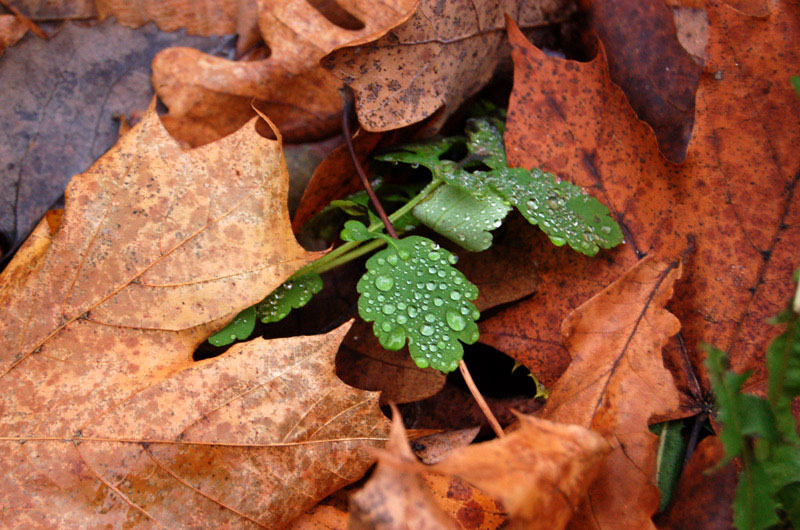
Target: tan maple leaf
105 419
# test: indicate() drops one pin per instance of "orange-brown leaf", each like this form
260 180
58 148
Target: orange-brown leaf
443 54
539 472
216 94
105 417
616 382
733 203
11 30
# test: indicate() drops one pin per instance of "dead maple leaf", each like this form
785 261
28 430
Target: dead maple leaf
157 248
616 382
733 202
216 94
539 472
321 517
60 99
438 58
646 59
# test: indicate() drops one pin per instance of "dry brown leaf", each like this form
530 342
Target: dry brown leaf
159 247
734 202
616 382
440 57
11 30
467 506
289 86
434 447
539 472
395 497
321 517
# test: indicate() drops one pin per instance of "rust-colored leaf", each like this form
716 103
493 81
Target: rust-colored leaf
733 203
539 472
216 94
106 419
647 60
321 517
616 382
439 57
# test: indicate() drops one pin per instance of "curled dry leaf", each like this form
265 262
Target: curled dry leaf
157 248
438 58
217 94
616 382
734 201
539 472
434 447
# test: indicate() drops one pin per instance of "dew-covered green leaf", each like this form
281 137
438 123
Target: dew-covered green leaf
411 291
561 209
292 294
485 140
355 231
426 154
669 460
239 328
461 217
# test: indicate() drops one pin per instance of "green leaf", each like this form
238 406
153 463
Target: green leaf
355 231
412 292
485 140
671 450
239 328
796 84
292 294
425 154
462 217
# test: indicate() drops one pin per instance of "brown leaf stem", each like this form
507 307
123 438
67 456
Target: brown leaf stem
473 388
25 20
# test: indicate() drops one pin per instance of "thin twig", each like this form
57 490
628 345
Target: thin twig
347 111
479 399
25 20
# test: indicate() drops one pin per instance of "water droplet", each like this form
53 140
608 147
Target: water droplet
455 321
430 286
401 319
557 241
384 283
455 295
392 259
404 254
438 302
395 340
426 330
433 256
290 286
430 318
413 311
386 326
388 309
605 229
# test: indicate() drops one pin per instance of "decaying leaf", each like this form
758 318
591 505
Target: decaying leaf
289 86
434 447
157 248
539 472
395 497
733 203
321 517
60 98
616 382
452 48
467 506
646 59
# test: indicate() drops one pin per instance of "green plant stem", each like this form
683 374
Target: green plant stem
355 249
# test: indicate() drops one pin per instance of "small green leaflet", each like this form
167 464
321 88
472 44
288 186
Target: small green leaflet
561 209
796 84
355 231
762 432
671 450
240 328
411 291
462 217
292 294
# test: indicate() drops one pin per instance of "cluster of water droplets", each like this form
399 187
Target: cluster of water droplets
291 294
411 291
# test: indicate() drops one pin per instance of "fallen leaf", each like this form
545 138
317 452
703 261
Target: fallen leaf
157 248
691 26
704 497
452 48
434 447
616 382
646 59
467 506
539 471
45 10
289 86
60 100
11 30
395 496
733 202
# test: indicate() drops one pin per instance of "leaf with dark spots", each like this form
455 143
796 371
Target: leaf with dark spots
438 58
60 100
104 309
616 382
733 202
